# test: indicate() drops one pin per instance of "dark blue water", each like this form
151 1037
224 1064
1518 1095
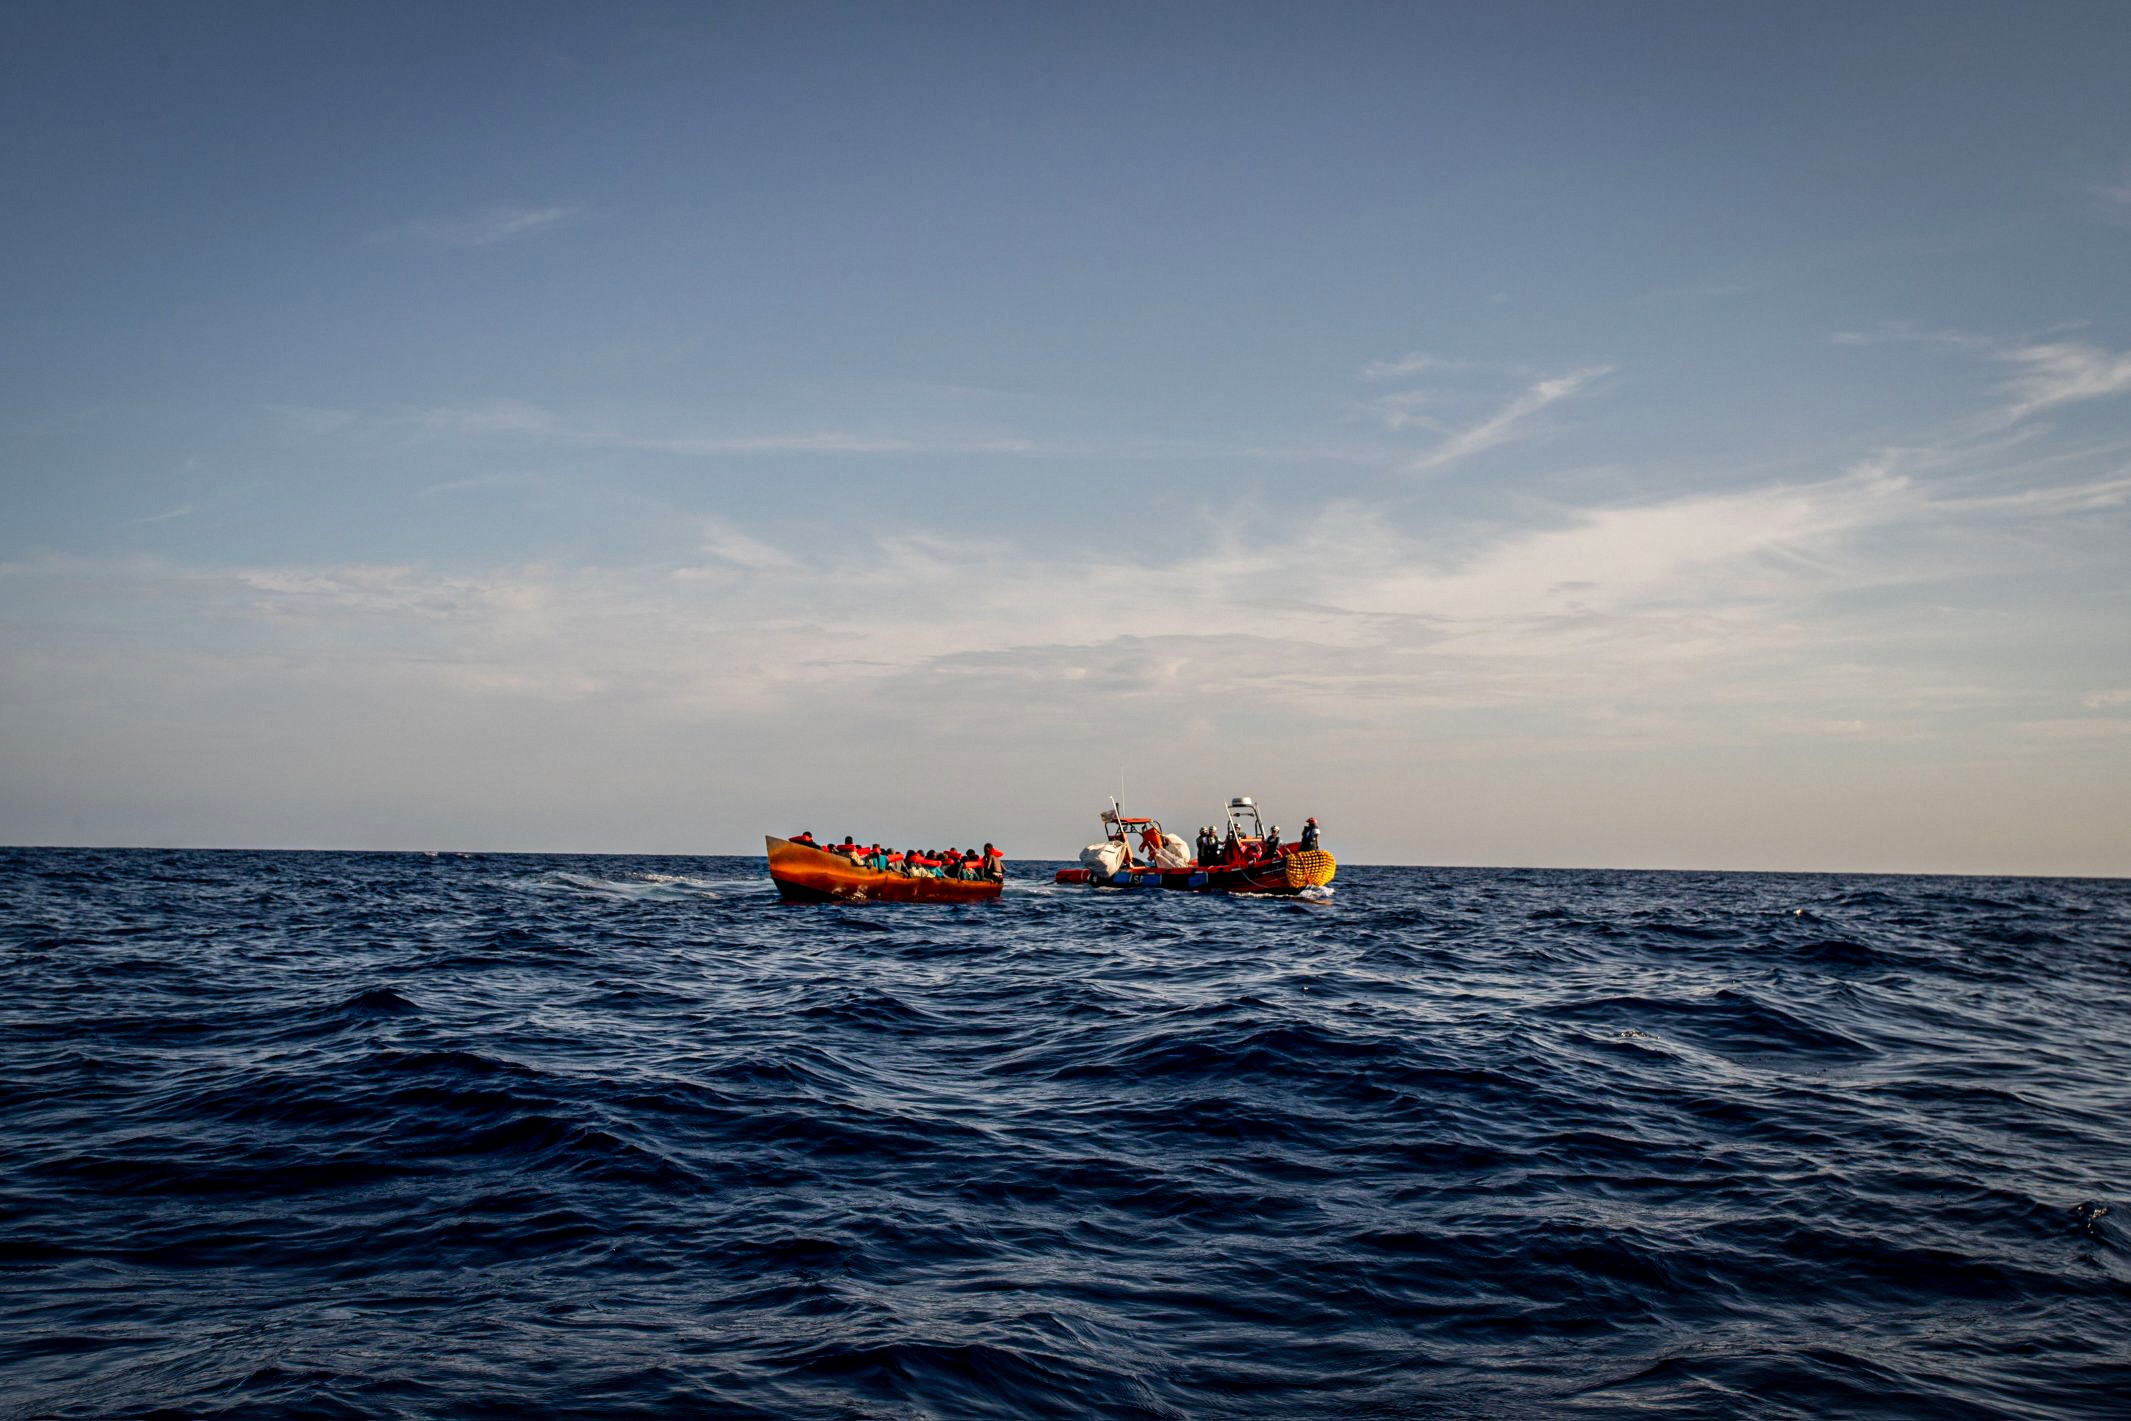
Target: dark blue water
396 1136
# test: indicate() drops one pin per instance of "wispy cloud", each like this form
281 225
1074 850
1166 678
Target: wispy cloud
1443 396
309 419
1339 618
2061 373
2048 373
1805 607
1422 363
729 544
1906 332
481 228
1507 422
506 418
491 417
2114 198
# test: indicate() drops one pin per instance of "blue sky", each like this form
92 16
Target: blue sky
1642 435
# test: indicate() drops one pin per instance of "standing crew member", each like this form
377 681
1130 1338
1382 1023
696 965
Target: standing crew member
1309 833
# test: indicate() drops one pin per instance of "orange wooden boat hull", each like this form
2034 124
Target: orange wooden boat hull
807 875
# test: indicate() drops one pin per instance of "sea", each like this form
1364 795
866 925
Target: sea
473 1135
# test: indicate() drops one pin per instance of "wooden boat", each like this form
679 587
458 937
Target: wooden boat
809 875
1288 873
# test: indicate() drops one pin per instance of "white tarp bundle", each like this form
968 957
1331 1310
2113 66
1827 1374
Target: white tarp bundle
1106 859
1174 852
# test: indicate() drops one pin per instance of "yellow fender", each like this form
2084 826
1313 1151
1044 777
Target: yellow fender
1310 868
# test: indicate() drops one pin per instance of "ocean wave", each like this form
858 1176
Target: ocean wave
411 1136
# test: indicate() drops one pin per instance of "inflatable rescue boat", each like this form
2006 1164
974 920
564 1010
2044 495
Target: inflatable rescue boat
1138 853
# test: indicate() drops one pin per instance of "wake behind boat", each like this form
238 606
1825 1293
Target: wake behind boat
809 873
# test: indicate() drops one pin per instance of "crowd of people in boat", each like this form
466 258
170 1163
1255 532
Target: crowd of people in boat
972 864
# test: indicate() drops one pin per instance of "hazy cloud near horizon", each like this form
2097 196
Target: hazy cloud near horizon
929 482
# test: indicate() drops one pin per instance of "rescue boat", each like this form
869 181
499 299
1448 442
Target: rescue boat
1137 853
806 874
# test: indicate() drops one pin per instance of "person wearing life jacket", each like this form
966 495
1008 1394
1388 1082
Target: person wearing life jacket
1309 833
1150 840
1272 842
972 864
994 863
805 836
847 848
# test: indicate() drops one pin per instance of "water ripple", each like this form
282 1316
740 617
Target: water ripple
492 1135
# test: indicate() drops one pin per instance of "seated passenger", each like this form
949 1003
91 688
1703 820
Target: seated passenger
805 836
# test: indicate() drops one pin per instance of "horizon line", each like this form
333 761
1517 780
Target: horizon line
1343 863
